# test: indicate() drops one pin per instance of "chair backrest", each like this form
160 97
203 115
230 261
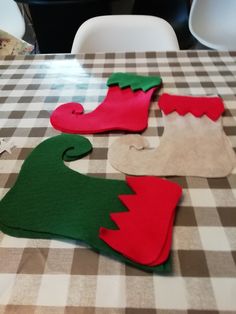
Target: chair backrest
120 33
11 20
174 12
213 23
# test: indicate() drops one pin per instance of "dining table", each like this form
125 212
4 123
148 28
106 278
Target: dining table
66 276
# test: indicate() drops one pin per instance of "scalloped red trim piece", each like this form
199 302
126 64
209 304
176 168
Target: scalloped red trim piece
145 231
213 107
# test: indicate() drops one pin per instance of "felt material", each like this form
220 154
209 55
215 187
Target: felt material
49 200
122 109
213 107
190 146
144 233
133 81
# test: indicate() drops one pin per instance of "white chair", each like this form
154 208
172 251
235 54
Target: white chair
213 23
11 20
120 33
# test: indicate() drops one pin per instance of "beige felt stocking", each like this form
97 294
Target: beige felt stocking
193 143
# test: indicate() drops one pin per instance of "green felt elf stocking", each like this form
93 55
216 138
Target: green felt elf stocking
49 200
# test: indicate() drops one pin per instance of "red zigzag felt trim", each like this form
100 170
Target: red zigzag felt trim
145 231
213 107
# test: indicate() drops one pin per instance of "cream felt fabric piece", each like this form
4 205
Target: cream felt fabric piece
190 146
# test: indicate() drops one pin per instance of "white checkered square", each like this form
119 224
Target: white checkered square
170 293
202 197
111 291
25 290
6 285
12 242
10 166
231 238
213 239
225 292
53 290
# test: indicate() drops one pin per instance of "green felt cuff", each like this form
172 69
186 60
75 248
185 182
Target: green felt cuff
134 81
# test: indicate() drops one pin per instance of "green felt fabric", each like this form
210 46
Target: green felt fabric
134 81
49 200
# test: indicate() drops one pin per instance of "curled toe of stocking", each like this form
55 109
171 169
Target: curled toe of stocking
137 142
71 109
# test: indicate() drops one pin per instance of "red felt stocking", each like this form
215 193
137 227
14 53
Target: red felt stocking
145 232
125 107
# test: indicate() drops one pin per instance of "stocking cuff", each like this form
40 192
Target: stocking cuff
213 107
144 230
133 81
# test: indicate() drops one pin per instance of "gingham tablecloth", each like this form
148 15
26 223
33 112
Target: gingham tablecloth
43 276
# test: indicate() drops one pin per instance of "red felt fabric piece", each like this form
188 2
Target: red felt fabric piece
165 251
122 109
213 107
145 231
